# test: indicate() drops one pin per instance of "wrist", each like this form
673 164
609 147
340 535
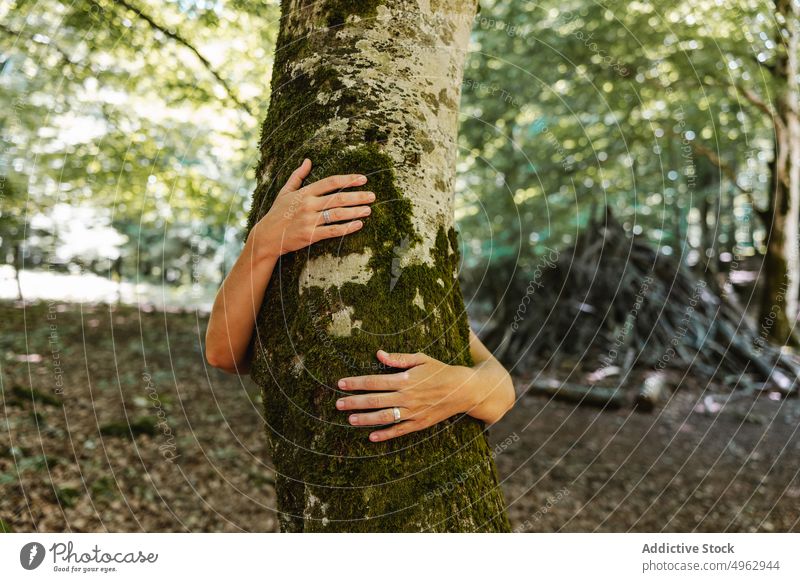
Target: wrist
469 385
260 247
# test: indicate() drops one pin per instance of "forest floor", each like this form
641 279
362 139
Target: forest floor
68 460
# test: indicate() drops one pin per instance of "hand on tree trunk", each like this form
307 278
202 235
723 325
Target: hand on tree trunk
426 393
302 215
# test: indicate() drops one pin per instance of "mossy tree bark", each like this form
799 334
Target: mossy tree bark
373 88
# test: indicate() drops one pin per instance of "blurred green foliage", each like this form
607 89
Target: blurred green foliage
571 106
148 112
144 110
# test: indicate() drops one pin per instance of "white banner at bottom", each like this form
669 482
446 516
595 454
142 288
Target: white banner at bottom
400 557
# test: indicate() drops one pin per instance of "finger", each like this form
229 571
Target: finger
332 183
343 199
398 360
295 181
340 214
375 382
335 230
377 418
395 431
370 401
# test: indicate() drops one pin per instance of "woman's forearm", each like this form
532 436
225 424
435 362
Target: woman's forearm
299 216
488 384
491 389
232 321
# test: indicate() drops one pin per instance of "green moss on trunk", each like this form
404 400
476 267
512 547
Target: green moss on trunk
330 476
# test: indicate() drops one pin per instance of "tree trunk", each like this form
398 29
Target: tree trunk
782 263
18 264
118 272
708 265
369 88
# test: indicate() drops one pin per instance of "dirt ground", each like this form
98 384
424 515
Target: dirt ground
691 466
77 380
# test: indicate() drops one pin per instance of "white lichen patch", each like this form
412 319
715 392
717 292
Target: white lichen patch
334 271
382 14
335 127
265 175
323 98
342 323
298 365
305 66
314 507
418 301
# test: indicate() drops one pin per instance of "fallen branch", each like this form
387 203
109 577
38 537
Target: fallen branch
592 395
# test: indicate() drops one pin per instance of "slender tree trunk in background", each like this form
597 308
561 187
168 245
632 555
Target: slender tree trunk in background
369 88
705 230
677 233
727 230
680 226
789 104
781 269
709 237
118 272
18 268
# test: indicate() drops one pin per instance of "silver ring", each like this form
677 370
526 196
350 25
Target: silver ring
396 412
326 216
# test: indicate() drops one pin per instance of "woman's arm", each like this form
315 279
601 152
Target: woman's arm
230 327
490 383
294 221
428 392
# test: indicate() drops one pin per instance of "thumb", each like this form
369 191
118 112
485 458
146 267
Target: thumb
295 181
399 360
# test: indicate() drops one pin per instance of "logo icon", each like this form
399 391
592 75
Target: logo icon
31 555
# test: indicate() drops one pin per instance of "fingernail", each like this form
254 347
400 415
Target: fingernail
368 211
382 353
373 437
361 179
340 403
371 197
342 384
358 224
353 419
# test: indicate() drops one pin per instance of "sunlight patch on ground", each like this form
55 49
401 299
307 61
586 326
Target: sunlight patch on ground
91 288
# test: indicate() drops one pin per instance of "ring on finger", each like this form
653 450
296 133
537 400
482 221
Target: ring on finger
326 216
396 414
